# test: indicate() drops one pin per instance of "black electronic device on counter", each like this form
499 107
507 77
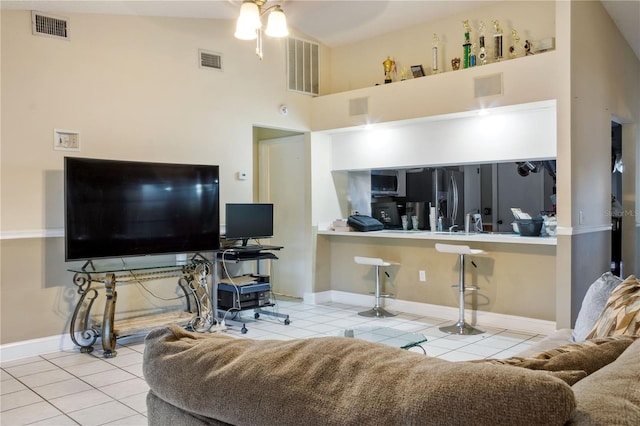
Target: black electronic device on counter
387 213
364 223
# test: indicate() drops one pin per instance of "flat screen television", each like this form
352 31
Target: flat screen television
245 221
127 208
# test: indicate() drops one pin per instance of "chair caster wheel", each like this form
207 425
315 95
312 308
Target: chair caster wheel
287 322
256 315
243 330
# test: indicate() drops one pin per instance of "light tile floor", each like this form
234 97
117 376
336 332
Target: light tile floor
71 388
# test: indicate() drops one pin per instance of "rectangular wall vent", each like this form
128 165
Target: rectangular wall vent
48 25
489 85
302 66
210 60
358 106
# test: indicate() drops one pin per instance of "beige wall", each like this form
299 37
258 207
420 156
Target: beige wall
359 65
133 88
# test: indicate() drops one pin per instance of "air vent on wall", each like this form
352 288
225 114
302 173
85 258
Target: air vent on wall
358 106
48 25
489 85
302 66
210 60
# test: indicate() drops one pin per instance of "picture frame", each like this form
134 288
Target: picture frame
417 71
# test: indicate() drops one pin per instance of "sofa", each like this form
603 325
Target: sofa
200 379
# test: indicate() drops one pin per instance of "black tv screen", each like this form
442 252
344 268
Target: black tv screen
248 221
128 208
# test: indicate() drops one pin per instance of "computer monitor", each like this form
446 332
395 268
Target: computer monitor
245 221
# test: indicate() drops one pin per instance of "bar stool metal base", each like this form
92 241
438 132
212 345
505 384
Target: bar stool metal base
377 312
462 328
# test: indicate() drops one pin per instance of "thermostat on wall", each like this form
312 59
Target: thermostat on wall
241 175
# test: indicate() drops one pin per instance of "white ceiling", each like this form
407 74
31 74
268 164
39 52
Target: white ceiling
331 22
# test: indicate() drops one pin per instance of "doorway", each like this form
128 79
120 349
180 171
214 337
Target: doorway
531 192
282 181
616 198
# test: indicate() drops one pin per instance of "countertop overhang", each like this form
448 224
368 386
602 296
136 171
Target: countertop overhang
507 238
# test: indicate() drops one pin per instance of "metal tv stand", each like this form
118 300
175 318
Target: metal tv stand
192 279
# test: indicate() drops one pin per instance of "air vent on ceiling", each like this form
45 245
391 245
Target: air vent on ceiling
302 66
210 60
48 25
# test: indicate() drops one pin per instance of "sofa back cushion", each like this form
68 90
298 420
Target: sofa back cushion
611 395
341 381
587 357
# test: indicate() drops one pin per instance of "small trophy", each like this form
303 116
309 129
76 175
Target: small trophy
497 41
455 64
527 48
388 65
434 53
473 56
516 49
467 43
482 55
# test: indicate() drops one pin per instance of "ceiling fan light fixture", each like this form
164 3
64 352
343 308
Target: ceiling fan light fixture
248 22
277 23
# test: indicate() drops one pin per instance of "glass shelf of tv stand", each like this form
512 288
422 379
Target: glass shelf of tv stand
103 266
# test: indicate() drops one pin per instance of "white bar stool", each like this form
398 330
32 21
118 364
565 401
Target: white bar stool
377 311
461 327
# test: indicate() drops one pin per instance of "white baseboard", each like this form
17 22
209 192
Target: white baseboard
480 318
35 347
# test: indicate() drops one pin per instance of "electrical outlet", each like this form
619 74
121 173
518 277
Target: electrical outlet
66 140
422 276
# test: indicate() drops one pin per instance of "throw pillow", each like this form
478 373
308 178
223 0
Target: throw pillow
567 360
593 304
621 315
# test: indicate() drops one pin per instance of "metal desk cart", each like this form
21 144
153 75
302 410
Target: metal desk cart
248 291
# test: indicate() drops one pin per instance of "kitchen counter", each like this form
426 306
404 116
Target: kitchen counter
507 237
515 276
